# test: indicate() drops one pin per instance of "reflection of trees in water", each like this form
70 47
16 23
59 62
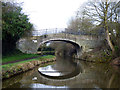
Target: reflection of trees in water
101 75
114 80
18 80
6 83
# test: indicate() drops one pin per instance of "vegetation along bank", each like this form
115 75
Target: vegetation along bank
11 69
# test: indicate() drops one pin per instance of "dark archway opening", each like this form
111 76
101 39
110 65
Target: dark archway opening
62 48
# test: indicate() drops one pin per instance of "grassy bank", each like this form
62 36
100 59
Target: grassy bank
11 69
17 57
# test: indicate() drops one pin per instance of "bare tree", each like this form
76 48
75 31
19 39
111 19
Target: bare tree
73 25
80 24
102 12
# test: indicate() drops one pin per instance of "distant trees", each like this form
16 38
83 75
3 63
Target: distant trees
14 25
81 24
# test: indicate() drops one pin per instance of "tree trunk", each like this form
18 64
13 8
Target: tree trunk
106 28
109 41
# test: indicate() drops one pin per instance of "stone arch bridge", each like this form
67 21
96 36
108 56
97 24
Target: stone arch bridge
32 43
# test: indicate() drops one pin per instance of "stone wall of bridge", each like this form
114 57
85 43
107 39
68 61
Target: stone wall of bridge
31 44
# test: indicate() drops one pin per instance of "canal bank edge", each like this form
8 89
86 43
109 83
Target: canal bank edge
23 67
101 55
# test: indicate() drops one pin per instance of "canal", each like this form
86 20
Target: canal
67 73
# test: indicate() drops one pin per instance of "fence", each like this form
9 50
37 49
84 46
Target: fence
47 31
64 32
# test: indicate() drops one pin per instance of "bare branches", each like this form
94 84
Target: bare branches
98 9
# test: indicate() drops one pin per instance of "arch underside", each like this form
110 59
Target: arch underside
77 46
64 40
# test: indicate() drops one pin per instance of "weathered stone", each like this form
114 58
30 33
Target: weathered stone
83 43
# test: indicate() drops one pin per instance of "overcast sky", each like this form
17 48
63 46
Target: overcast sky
50 13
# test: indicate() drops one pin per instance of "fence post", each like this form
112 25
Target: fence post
56 32
65 35
46 31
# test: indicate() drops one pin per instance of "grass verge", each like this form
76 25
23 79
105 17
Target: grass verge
17 57
9 70
43 58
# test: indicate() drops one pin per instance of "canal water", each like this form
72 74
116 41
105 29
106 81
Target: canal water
67 73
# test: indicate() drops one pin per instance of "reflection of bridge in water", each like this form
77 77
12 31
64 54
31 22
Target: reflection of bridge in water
31 44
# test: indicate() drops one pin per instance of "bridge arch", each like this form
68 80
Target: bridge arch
78 48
